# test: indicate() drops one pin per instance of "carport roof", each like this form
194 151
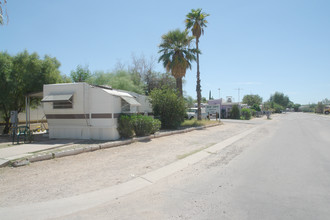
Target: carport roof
125 96
131 101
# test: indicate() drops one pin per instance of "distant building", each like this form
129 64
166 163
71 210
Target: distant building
225 106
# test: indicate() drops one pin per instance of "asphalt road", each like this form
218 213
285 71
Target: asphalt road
282 171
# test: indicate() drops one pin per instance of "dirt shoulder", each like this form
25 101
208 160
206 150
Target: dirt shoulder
74 175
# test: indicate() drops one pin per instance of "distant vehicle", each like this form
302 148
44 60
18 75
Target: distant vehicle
192 113
327 110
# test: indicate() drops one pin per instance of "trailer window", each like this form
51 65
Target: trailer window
63 104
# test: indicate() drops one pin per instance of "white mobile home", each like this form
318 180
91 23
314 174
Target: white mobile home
83 111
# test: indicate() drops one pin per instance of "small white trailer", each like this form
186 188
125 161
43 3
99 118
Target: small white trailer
83 111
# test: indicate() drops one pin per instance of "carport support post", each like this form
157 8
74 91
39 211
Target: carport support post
26 111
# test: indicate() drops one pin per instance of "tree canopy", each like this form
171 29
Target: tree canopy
280 99
196 22
22 74
251 100
176 54
81 74
319 108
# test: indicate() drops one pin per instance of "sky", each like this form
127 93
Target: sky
249 46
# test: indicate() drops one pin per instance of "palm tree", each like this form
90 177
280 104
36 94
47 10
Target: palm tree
176 54
3 12
195 20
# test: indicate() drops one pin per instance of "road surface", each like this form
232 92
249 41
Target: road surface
282 171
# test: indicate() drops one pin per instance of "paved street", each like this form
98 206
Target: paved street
279 172
261 169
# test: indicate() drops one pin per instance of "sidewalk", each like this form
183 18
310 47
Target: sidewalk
15 152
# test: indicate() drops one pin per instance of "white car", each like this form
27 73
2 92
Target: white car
192 113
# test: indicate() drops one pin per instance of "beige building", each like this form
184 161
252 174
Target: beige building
83 111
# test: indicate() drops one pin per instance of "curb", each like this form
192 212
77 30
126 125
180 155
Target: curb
71 152
58 208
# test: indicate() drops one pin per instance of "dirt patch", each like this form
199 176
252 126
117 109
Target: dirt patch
69 176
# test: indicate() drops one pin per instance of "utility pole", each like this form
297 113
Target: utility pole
238 90
219 107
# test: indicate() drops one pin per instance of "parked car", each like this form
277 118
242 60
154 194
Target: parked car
192 113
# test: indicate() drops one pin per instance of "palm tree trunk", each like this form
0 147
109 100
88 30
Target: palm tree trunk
198 87
179 85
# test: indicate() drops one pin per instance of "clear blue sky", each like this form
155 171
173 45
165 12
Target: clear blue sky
260 46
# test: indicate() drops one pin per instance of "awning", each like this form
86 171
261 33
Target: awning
131 101
125 96
57 98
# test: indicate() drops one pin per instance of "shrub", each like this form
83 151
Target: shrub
278 108
168 106
138 124
156 124
246 114
144 125
234 113
253 112
256 107
125 127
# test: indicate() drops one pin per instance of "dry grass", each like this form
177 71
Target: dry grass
196 123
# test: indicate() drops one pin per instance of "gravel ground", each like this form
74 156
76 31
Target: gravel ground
74 175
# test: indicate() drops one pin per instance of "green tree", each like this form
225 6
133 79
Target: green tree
20 75
189 101
3 12
256 107
121 79
169 106
326 101
234 113
280 99
210 96
296 107
319 108
100 78
195 20
252 100
65 79
165 80
277 108
176 54
81 74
